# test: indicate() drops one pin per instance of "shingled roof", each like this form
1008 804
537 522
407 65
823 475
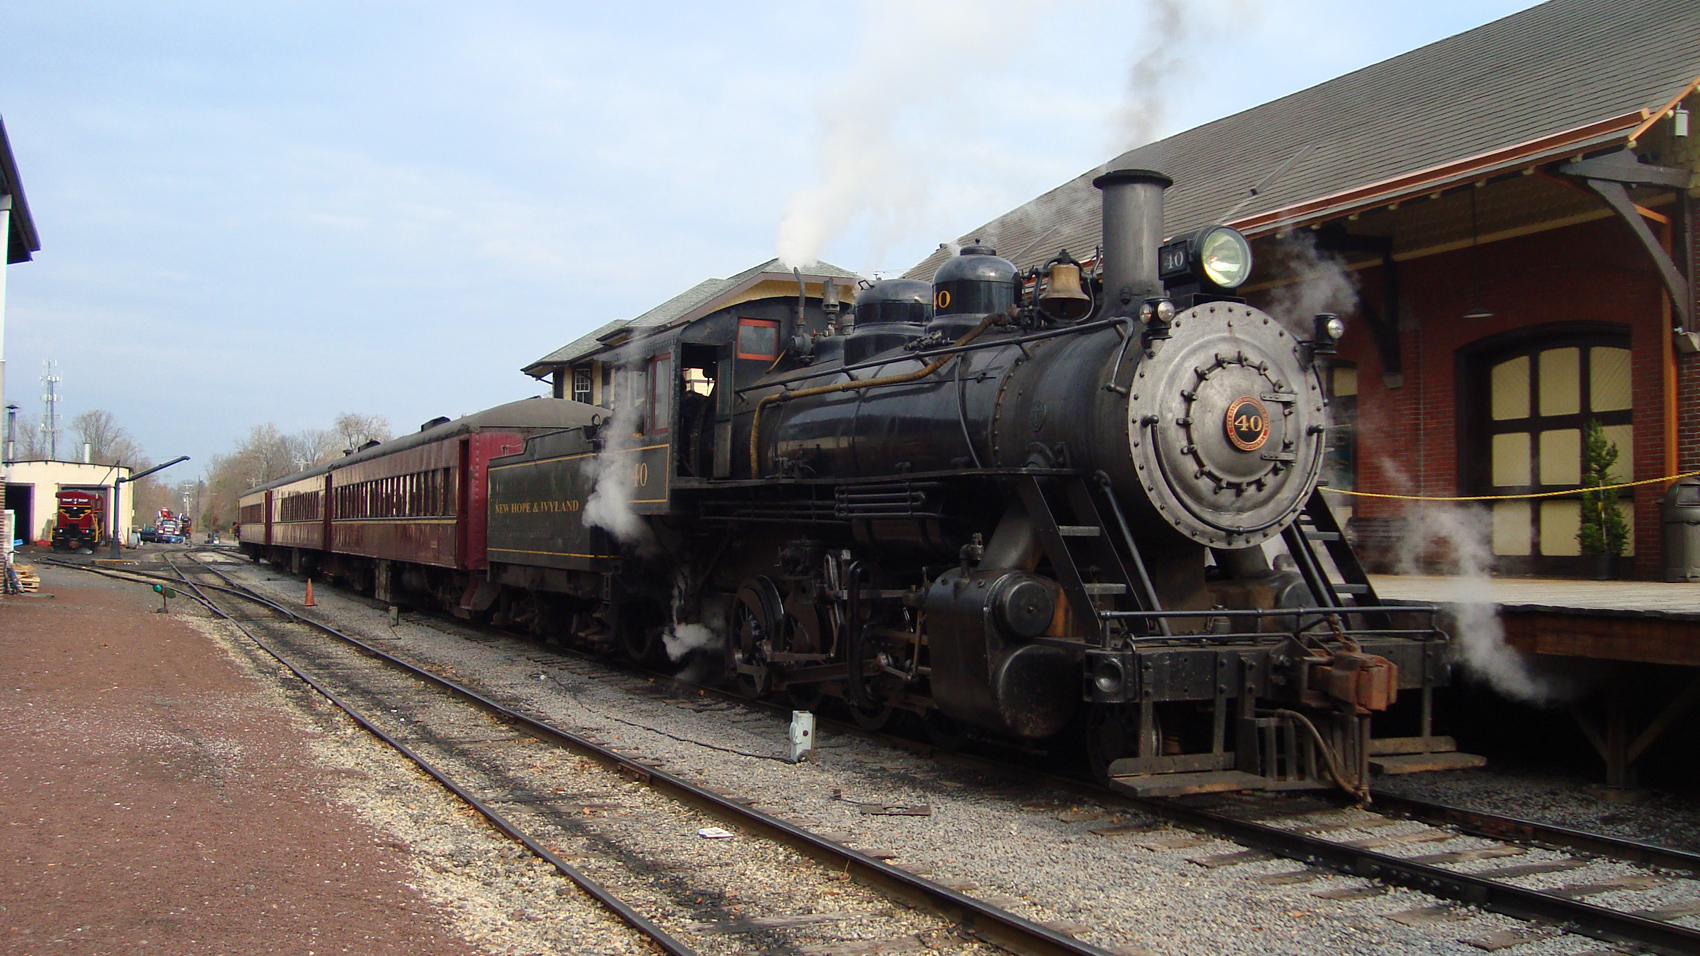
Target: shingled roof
1551 81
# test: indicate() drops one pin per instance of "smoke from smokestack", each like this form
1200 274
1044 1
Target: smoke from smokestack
912 60
1140 117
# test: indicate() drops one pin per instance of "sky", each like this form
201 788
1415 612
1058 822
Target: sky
278 212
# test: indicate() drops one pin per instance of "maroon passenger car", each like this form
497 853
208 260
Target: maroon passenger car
408 512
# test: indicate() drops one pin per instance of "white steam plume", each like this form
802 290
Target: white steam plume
1322 284
1455 539
610 504
681 639
911 58
683 636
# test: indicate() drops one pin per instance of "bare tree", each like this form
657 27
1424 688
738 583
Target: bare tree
316 446
227 478
267 452
109 442
356 430
32 441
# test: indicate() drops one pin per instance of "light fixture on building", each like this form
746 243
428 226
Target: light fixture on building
1477 311
1679 121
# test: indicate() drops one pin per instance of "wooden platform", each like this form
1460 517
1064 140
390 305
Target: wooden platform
1642 621
1625 625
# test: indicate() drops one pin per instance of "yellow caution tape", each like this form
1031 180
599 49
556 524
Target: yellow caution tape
1538 494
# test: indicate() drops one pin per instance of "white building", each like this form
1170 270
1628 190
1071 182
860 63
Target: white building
32 485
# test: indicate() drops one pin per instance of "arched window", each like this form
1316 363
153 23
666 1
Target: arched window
1528 405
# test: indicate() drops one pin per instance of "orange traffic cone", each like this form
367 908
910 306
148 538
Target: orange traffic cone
309 601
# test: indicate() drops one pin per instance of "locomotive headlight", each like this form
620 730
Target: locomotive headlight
1224 257
1330 326
1217 257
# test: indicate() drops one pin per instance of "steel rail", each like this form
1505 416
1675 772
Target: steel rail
1573 916
597 891
1499 827
990 923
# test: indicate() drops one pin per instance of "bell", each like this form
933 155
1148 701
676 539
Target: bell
1063 299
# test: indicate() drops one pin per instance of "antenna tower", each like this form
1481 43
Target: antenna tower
50 406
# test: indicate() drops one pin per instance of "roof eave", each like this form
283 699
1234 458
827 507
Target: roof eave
1442 176
23 240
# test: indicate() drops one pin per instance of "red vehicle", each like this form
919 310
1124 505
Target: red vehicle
407 512
80 522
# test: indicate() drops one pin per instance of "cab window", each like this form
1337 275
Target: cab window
758 339
660 384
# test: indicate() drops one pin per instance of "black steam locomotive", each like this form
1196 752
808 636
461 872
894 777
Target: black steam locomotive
1073 503
1016 505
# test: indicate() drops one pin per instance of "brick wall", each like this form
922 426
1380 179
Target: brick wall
1594 272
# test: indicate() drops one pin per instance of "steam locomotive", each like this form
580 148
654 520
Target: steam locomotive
1077 502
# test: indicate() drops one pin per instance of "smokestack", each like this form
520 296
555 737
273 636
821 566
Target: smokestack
88 453
1133 229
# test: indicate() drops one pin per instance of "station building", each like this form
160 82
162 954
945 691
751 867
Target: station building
1506 219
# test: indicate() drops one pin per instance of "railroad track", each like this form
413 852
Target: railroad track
1460 856
1423 847
583 820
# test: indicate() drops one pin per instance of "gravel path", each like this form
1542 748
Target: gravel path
1118 878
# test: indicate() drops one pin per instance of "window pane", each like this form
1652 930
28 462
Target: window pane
1511 459
1608 379
1511 527
758 341
1561 457
1560 520
1561 381
661 413
1510 385
1626 507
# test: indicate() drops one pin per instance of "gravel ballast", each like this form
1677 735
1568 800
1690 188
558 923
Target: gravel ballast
1116 877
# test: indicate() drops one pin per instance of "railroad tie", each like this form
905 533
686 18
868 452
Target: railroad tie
1429 915
1507 938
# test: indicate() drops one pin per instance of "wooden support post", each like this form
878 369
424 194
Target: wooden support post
1617 743
1620 773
